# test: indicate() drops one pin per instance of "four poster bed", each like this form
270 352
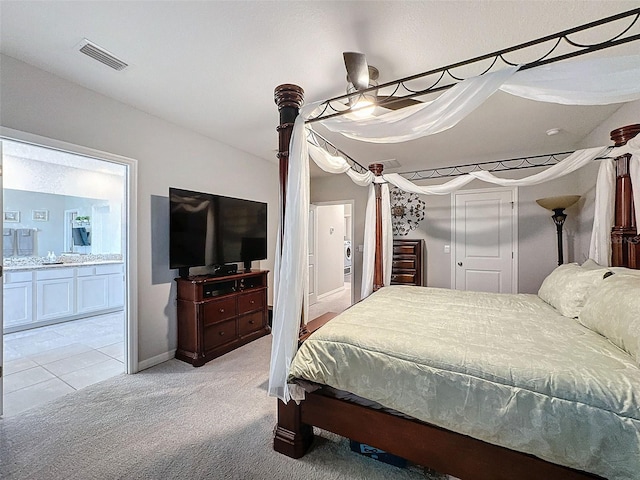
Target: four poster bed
479 386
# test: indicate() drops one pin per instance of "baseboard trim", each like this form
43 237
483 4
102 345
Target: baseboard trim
153 361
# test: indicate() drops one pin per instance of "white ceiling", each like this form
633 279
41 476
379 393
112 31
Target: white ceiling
212 66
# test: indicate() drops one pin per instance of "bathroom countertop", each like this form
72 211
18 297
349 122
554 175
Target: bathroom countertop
42 266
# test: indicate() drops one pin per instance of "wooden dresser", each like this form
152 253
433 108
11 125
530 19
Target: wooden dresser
407 263
219 314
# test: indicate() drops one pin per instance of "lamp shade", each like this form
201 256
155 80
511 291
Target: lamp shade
558 203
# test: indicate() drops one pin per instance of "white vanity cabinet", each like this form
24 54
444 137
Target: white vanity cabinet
55 291
116 288
18 298
100 287
43 296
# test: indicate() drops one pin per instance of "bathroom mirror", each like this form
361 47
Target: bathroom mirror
61 224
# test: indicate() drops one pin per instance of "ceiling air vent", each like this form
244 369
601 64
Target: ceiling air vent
101 55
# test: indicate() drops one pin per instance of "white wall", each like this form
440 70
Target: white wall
330 248
37 102
627 114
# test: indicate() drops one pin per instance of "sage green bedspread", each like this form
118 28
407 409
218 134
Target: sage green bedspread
506 369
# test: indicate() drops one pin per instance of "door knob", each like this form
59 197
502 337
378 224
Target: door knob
459 264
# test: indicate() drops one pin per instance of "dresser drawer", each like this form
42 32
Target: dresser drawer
219 334
403 278
219 310
249 302
250 323
404 263
405 249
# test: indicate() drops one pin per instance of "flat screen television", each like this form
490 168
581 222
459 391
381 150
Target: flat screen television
212 230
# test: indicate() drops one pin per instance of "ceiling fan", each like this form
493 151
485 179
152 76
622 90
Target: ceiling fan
361 76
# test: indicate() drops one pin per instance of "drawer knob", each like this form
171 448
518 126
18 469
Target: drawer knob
252 322
252 302
221 333
222 310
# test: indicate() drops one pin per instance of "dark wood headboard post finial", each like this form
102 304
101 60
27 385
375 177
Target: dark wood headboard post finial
625 242
378 278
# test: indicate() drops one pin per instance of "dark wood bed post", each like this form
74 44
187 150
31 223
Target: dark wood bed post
289 99
378 276
625 241
291 437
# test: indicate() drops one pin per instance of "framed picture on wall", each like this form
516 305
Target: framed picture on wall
11 216
40 215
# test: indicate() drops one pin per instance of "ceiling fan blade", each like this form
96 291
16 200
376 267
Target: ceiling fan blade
398 104
357 69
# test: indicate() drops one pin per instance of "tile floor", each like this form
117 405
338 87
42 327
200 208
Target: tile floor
47 362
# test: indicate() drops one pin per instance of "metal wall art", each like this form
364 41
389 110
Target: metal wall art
407 211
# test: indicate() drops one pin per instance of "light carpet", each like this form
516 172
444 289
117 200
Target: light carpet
174 421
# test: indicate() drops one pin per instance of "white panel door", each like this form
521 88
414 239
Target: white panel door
485 238
313 274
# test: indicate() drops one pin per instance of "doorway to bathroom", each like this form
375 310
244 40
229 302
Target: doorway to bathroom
67 276
330 239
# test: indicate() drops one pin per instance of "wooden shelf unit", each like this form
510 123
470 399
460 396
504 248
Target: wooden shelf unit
219 314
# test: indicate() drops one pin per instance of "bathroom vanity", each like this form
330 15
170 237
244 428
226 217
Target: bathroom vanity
42 294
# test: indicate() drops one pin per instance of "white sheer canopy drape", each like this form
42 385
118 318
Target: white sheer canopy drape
569 83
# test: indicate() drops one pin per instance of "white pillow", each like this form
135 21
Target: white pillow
591 264
613 310
625 271
568 286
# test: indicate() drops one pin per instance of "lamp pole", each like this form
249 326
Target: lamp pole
557 206
558 218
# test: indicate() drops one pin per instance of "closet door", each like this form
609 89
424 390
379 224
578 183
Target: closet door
485 236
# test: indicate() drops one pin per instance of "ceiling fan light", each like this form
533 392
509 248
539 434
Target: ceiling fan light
363 108
362 104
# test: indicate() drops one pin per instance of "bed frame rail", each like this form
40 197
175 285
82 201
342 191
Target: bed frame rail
418 442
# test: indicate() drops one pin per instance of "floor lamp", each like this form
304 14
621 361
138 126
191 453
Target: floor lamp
557 206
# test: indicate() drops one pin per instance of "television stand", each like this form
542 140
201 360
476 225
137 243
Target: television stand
219 314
